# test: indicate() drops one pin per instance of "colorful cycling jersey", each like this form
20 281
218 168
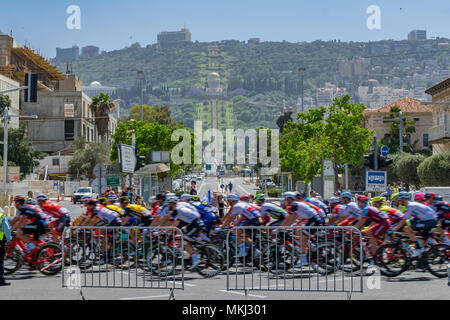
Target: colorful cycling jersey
374 214
155 210
207 212
55 210
421 211
317 203
106 215
338 210
394 215
247 210
117 209
402 208
185 212
443 210
163 210
38 209
137 211
319 210
303 210
272 210
351 210
30 213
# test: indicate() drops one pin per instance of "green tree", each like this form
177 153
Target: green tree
158 114
283 120
20 151
346 140
435 170
101 106
393 139
86 156
406 168
5 102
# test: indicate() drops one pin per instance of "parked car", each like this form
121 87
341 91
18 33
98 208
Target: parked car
83 191
266 183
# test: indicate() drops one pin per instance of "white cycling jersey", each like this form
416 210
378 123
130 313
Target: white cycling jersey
421 211
106 215
351 210
302 210
185 212
273 210
248 210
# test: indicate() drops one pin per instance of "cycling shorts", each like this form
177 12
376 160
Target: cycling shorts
424 227
61 223
36 228
347 222
380 229
250 222
192 229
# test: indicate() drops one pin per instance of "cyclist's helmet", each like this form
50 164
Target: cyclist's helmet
403 195
195 198
260 197
85 198
299 195
362 198
102 200
42 197
161 196
430 195
172 200
394 196
333 200
112 197
245 197
30 201
419 196
92 202
438 198
185 196
346 194
233 197
124 199
289 194
377 199
19 199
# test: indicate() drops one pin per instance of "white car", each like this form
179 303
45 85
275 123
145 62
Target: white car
83 191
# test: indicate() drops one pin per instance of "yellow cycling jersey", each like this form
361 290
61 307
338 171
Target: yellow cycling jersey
117 209
137 211
400 207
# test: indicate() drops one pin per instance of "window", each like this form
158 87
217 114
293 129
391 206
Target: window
425 140
69 129
438 118
55 161
416 119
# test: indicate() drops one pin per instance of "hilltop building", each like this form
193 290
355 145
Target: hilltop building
90 51
167 38
67 54
417 35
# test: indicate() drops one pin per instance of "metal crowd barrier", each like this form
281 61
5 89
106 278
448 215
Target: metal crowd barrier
110 257
273 261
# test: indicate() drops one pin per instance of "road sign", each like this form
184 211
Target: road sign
208 167
127 158
96 185
222 173
100 170
112 181
384 151
376 181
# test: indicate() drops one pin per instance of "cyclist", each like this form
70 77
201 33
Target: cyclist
318 203
275 214
394 215
336 210
302 210
420 198
250 216
190 223
134 215
350 213
209 214
245 198
31 221
424 220
114 205
443 212
430 197
61 214
395 204
379 222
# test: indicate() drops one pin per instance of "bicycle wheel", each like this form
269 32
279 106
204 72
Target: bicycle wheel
437 259
161 261
124 255
392 259
326 259
13 260
49 259
279 259
212 261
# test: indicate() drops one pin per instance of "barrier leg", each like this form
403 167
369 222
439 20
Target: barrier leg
349 295
171 295
81 294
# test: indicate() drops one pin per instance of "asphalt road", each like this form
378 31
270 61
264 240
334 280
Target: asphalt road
32 285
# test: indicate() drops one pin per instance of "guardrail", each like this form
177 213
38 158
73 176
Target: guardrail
274 260
112 257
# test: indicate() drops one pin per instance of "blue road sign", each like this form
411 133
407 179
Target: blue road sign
384 151
222 173
376 181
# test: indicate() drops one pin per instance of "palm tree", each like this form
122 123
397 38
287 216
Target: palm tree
101 106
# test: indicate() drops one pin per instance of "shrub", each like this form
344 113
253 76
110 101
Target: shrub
435 170
406 168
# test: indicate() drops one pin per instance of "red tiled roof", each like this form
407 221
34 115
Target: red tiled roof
406 105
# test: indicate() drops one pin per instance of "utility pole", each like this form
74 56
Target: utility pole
400 127
5 147
375 152
141 80
302 75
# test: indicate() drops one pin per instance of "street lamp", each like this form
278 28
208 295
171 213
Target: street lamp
302 75
141 80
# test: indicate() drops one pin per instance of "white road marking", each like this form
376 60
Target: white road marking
186 284
147 297
243 294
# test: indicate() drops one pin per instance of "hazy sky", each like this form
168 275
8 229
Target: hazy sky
114 24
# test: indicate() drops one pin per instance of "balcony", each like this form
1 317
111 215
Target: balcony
439 134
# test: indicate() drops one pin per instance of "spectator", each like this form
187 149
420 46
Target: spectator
230 187
220 205
5 235
30 194
128 193
193 188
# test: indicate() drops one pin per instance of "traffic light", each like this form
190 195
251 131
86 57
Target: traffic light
139 161
383 162
369 161
33 88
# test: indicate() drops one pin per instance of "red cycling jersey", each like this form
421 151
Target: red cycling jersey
55 210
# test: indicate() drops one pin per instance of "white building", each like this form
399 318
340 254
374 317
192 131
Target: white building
95 88
5 84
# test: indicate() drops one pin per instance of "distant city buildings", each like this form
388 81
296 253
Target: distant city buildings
90 51
417 35
254 40
355 67
325 96
167 38
67 54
